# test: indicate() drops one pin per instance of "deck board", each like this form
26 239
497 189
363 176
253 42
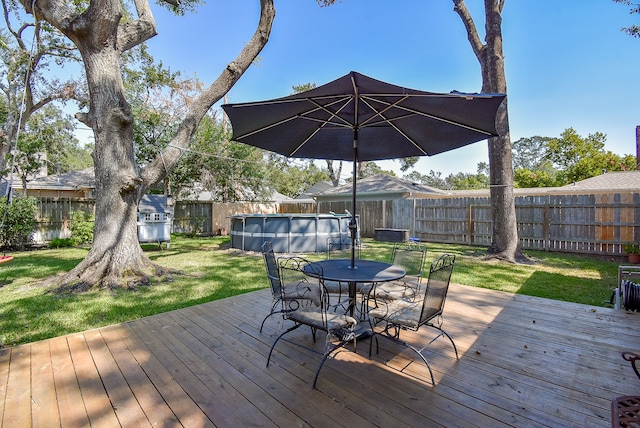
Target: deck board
43 396
524 361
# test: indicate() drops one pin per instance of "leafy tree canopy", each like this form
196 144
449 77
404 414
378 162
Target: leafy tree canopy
292 179
547 162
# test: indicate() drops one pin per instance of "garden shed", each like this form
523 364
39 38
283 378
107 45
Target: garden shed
155 215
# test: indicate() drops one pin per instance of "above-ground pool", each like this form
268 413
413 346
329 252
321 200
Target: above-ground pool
289 233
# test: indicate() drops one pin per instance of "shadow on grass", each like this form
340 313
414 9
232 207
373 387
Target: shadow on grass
28 314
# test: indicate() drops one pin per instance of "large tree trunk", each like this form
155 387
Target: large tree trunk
116 258
504 241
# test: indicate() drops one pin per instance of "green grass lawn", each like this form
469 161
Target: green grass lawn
210 271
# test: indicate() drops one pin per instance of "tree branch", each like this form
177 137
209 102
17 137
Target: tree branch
134 33
472 33
159 168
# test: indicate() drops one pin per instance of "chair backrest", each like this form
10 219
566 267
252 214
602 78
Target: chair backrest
302 280
437 287
339 247
273 271
411 257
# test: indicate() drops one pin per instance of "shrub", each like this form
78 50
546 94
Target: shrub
61 242
17 221
632 248
82 227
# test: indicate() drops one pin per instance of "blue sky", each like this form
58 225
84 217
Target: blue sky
567 62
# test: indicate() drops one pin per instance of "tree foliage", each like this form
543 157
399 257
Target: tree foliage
548 162
18 221
292 179
29 51
47 144
632 30
458 181
578 158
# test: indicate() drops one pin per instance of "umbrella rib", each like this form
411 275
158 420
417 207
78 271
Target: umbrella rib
331 114
346 124
381 112
302 115
390 122
256 131
417 112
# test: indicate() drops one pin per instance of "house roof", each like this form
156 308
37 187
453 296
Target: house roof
72 180
319 187
619 180
383 185
623 181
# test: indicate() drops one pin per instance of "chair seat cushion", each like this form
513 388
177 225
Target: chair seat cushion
403 289
402 312
336 287
396 290
313 316
302 290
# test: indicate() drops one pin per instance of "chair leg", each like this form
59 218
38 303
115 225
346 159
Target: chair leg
273 311
326 356
373 336
417 351
265 319
278 338
282 311
442 332
413 348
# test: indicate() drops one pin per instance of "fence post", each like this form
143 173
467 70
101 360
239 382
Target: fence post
546 229
470 224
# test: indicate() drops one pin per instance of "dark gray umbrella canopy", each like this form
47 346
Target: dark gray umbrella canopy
357 118
386 120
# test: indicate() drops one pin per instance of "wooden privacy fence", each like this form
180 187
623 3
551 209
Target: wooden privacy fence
596 223
591 223
212 218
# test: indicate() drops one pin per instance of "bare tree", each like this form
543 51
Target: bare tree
504 240
102 34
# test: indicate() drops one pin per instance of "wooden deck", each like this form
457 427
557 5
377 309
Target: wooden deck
523 362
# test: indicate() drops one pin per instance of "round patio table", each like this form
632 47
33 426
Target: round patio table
364 271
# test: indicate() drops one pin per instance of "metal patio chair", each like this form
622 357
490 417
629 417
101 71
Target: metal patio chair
625 410
296 296
411 257
339 328
393 316
339 247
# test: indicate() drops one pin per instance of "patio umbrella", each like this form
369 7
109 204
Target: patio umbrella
357 118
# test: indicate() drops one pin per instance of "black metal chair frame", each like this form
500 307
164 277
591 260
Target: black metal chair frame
625 410
290 302
411 257
340 327
340 245
438 281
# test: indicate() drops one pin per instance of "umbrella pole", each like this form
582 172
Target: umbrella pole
353 224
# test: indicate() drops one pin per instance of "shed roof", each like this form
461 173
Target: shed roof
154 204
